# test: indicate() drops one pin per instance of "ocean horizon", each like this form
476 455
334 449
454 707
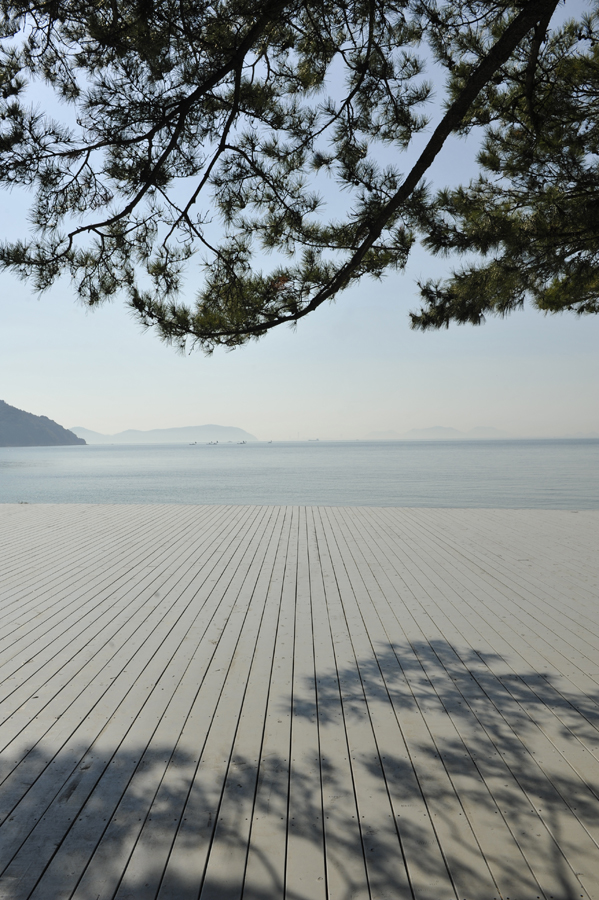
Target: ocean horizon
509 474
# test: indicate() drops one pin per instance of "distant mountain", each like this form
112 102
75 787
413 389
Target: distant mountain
189 434
439 433
22 429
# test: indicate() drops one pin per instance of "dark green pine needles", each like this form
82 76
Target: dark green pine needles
269 141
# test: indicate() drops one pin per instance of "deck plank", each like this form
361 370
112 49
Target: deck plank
103 743
97 855
267 851
298 703
228 853
384 849
344 841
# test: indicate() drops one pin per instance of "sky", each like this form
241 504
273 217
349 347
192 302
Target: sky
351 368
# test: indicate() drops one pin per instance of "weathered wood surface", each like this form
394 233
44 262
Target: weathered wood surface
276 703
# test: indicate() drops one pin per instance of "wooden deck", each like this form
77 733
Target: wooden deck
276 703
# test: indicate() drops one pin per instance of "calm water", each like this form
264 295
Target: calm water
556 474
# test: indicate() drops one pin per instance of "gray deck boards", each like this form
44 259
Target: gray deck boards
298 703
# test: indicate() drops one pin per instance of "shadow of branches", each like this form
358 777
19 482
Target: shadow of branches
466 780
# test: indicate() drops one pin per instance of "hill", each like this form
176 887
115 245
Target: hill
188 434
22 429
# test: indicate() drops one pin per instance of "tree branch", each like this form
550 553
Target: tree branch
528 18
234 63
529 83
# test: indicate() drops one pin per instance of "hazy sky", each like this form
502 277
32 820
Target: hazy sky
352 367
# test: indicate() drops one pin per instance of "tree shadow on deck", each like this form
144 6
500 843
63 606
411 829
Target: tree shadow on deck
483 741
473 782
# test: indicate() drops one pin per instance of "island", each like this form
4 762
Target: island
188 434
22 429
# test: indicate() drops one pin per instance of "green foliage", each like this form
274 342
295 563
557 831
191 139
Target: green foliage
216 135
532 214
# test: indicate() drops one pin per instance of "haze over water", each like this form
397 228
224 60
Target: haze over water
543 474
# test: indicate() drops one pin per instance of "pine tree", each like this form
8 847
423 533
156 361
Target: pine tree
212 136
532 214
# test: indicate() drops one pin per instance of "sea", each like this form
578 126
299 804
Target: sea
510 474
